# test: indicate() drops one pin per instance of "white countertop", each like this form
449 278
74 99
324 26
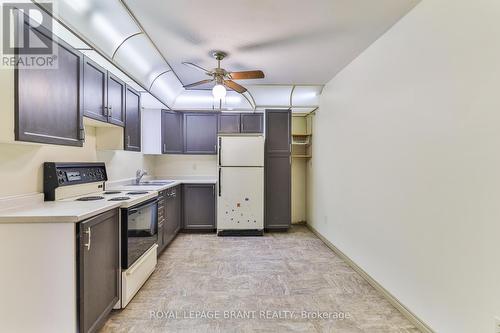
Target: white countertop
56 212
31 209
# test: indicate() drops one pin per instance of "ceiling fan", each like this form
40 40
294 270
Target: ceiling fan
223 78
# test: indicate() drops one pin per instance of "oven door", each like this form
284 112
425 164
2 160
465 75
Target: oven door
139 231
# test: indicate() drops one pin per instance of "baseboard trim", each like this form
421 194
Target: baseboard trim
423 327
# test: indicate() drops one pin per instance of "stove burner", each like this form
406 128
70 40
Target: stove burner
112 192
92 198
138 192
119 199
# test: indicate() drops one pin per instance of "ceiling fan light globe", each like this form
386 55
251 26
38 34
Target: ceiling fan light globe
219 91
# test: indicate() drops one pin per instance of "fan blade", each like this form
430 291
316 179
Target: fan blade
246 75
195 66
235 86
198 83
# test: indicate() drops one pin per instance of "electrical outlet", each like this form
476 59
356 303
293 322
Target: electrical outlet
497 324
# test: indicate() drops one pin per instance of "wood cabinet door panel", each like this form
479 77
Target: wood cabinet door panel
49 103
172 132
277 170
278 127
94 90
99 269
198 206
252 123
200 133
278 192
132 120
116 100
229 123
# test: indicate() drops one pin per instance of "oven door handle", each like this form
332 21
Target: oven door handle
150 203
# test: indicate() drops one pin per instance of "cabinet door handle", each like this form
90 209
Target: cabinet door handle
164 148
82 134
88 232
220 183
220 150
128 140
110 109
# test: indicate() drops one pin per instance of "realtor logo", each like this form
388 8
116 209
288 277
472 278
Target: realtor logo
27 36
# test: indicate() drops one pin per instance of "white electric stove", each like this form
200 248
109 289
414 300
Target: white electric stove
126 198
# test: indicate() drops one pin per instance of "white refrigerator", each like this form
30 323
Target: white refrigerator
240 201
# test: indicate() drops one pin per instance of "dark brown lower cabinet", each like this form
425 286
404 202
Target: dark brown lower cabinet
162 198
98 269
198 207
278 208
169 216
173 213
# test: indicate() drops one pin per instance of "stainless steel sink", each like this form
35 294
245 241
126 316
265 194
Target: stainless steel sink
154 182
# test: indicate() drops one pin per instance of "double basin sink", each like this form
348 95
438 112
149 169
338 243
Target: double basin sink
154 182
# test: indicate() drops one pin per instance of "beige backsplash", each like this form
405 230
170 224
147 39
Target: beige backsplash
21 165
185 165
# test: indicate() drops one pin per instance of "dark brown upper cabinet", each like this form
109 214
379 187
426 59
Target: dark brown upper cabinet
132 120
229 123
278 132
116 100
172 132
233 123
49 102
252 122
94 90
104 94
189 132
200 133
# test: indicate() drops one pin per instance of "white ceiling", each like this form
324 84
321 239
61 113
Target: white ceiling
292 41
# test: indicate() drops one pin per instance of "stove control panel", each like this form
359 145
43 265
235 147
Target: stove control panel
66 174
80 175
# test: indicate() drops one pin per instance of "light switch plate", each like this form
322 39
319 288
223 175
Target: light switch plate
497 324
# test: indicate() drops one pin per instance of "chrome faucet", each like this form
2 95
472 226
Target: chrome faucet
138 176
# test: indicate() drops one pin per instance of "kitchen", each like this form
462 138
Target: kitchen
164 171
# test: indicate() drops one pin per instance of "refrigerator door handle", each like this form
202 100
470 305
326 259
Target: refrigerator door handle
220 150
220 184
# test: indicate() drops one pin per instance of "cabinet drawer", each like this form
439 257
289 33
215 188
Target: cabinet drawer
134 277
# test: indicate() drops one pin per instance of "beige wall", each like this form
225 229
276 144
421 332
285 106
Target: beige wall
21 165
185 165
122 164
298 190
405 175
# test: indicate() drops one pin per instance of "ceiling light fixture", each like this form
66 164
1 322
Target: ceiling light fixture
219 91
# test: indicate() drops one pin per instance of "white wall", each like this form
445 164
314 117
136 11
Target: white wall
405 176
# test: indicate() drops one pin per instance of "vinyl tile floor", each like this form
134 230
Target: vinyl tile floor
282 282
